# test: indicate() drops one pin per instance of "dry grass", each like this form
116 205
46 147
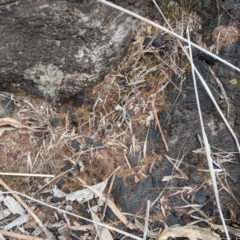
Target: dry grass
124 102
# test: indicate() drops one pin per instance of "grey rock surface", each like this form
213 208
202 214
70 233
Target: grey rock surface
56 49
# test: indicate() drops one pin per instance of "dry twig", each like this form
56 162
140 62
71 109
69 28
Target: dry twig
49 236
19 236
159 126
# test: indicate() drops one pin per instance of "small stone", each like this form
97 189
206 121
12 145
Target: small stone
223 106
206 58
157 42
201 196
147 87
75 144
60 183
88 140
146 41
55 122
78 100
66 167
130 113
55 199
97 144
78 167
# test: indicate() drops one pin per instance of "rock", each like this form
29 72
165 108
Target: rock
133 196
56 49
98 144
75 144
78 99
88 141
157 42
147 41
202 195
55 122
66 167
55 199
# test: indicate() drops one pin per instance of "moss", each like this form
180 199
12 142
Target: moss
47 79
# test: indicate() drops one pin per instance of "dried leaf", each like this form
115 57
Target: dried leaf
114 208
104 232
17 222
150 234
4 213
138 41
191 232
3 129
80 195
168 178
14 123
233 231
14 206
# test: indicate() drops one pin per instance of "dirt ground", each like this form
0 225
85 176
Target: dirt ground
110 139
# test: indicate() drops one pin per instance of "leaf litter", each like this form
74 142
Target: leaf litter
117 127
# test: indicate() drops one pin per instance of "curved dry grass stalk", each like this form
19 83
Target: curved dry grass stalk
206 143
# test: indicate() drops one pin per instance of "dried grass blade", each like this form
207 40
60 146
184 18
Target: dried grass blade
206 144
14 123
159 126
113 207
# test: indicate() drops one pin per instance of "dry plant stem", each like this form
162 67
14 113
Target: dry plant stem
223 93
52 180
49 235
206 143
168 31
14 123
146 221
159 126
27 175
106 202
109 191
18 236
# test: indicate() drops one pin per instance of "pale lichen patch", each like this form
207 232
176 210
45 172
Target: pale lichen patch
47 79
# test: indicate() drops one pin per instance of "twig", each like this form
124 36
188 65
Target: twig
106 202
53 180
145 232
14 123
128 163
19 236
159 126
109 191
49 236
27 175
206 143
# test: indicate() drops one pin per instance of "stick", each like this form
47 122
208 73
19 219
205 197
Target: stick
27 175
49 236
19 236
159 126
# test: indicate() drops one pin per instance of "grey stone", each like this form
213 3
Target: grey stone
56 49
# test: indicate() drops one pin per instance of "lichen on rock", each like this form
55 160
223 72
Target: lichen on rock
47 79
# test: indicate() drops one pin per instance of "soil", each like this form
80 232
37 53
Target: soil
91 134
